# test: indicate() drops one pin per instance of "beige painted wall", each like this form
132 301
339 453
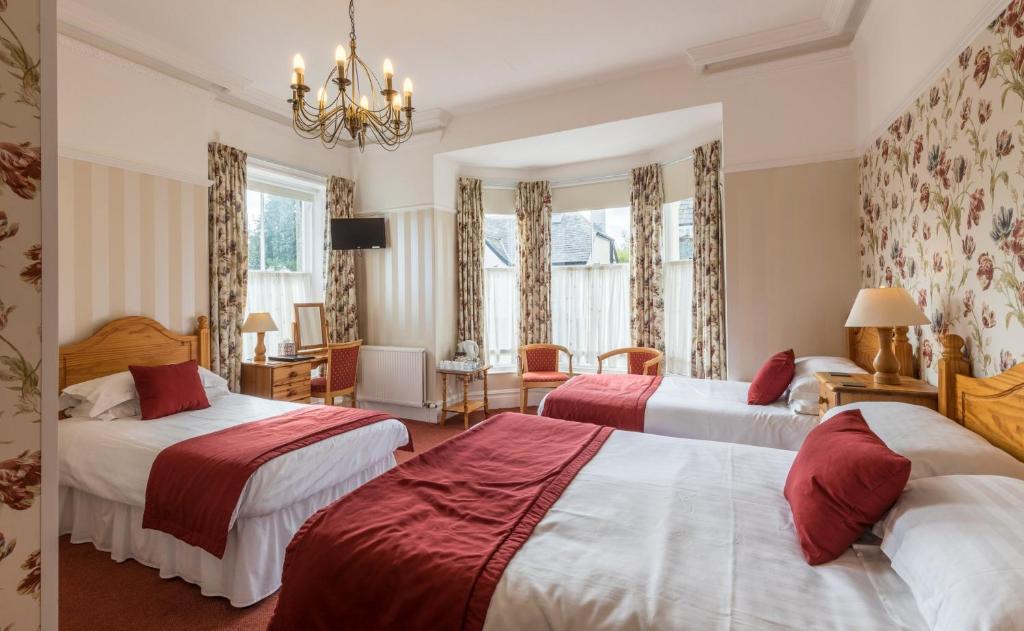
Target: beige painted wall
792 260
131 244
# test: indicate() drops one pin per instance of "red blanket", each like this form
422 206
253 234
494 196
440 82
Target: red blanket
424 545
194 485
618 401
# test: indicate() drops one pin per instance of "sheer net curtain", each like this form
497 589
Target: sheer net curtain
501 316
590 311
678 295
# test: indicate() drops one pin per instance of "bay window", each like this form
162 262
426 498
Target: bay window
501 291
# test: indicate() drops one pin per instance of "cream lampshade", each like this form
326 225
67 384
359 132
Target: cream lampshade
259 323
884 308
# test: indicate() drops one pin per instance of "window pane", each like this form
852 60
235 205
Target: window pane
253 217
678 218
501 293
281 233
590 252
590 237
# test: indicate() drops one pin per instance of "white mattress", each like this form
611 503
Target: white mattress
679 534
112 459
708 409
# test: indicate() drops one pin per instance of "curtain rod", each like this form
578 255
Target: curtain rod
579 181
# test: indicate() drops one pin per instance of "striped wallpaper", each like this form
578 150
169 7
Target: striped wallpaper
131 244
407 291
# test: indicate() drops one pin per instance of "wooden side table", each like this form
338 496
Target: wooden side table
839 390
467 406
282 381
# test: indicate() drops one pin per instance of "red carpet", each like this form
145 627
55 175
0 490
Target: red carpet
97 593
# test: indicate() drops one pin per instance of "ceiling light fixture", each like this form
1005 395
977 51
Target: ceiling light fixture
356 106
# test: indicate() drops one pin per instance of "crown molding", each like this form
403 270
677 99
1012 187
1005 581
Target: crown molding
972 29
831 23
82 155
101 36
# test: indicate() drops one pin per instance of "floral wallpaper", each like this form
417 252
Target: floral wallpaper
20 314
942 212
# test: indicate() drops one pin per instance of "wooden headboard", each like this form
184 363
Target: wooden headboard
862 344
134 340
992 407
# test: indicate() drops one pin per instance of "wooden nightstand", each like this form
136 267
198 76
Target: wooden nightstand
283 381
840 390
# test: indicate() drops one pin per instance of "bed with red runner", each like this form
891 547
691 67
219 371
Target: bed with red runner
618 401
194 485
455 516
526 522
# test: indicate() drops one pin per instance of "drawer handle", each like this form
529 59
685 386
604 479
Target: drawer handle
822 400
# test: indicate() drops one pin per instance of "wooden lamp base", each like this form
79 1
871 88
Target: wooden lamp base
887 366
261 349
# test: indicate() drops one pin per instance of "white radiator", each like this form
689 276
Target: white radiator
392 374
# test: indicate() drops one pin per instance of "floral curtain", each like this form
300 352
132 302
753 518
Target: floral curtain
340 266
469 237
707 355
533 214
229 260
647 308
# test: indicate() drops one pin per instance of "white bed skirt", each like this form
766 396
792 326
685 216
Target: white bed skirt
251 567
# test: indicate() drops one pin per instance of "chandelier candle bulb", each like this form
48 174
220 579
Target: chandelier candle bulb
300 70
407 89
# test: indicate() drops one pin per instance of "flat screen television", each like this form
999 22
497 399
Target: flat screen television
360 233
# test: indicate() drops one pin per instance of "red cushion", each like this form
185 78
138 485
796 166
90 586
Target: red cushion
772 379
166 390
545 376
842 481
318 384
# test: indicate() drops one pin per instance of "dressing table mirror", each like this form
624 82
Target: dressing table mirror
310 326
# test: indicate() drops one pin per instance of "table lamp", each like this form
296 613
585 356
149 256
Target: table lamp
259 323
884 308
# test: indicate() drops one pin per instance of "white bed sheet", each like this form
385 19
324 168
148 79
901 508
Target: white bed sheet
710 409
680 534
112 459
105 468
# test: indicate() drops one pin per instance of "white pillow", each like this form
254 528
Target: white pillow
804 389
934 444
956 541
215 385
96 396
128 409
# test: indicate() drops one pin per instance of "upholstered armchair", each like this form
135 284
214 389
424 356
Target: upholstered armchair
538 368
640 360
339 378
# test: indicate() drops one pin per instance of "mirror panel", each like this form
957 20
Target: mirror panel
311 325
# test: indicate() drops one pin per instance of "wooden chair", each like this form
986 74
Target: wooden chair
640 361
538 368
339 378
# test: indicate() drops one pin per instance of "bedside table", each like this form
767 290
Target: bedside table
282 381
836 390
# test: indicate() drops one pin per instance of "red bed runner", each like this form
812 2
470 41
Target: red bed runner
618 401
424 545
194 485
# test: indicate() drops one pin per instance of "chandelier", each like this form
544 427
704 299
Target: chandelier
360 104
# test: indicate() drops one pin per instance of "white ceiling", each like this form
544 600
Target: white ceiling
631 137
460 53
